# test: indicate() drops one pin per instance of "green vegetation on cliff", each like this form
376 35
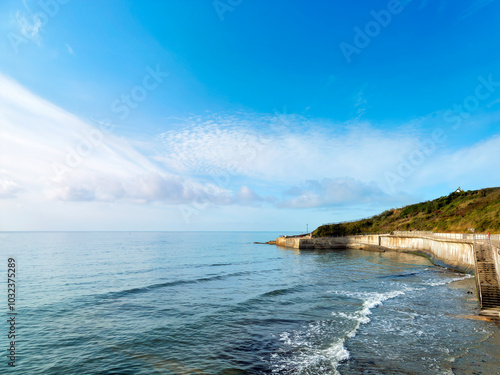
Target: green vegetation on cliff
457 212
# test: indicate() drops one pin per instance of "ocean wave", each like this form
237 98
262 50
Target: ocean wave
281 292
448 281
302 355
311 362
404 274
370 301
148 288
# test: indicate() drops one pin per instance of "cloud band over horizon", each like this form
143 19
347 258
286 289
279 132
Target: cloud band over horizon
211 160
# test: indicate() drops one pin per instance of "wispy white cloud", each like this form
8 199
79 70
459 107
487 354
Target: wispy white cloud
26 6
69 48
54 155
297 151
360 104
328 163
245 159
49 155
476 6
471 167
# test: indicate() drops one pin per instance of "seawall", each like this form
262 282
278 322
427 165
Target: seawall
456 254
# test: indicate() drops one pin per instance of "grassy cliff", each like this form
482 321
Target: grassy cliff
457 212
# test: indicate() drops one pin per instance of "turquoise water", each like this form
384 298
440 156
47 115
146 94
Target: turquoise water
216 303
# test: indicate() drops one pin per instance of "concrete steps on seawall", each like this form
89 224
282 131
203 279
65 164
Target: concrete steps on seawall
491 312
487 280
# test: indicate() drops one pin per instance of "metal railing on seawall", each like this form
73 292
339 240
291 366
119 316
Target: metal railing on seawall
451 236
476 278
359 234
494 238
304 235
309 235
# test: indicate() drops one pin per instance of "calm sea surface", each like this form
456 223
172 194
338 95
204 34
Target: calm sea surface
215 303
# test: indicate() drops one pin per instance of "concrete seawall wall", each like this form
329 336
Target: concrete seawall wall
451 253
496 259
288 242
455 254
370 242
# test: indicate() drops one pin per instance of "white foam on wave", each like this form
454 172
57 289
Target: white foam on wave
308 361
448 281
302 351
371 300
303 356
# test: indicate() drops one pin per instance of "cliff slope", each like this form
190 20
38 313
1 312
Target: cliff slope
457 212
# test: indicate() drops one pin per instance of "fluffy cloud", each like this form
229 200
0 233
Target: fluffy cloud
9 189
140 188
332 192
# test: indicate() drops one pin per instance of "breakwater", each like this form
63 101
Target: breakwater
475 254
454 252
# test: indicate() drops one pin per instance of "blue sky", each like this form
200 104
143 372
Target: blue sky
241 115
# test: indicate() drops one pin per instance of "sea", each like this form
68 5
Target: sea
217 303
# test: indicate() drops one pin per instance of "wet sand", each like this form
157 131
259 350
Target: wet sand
483 359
